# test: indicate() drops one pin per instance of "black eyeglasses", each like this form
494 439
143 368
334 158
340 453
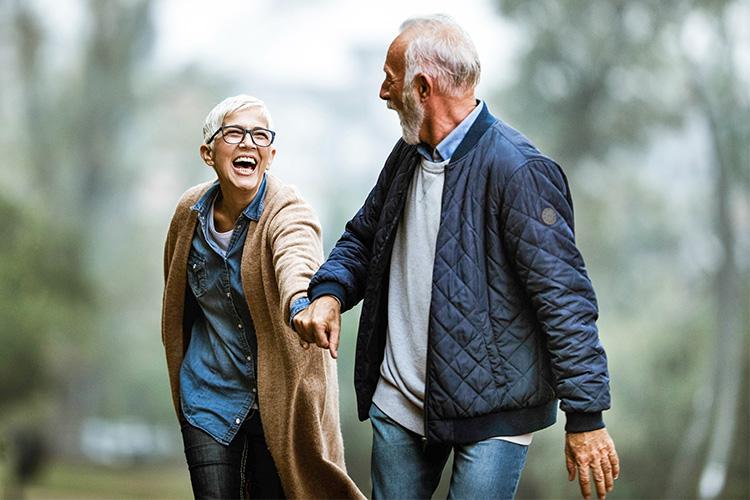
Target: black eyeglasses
234 134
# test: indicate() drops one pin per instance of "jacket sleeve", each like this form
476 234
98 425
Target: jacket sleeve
297 250
538 232
344 273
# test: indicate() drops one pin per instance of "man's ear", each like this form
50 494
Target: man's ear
425 86
207 155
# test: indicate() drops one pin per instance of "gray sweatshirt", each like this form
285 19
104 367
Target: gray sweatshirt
400 390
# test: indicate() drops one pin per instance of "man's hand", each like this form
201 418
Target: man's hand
592 450
320 323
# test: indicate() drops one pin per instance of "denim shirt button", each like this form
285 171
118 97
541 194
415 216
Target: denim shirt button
239 325
237 421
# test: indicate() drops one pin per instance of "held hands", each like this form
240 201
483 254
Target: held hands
592 450
320 324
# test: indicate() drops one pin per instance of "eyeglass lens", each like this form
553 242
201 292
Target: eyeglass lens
235 135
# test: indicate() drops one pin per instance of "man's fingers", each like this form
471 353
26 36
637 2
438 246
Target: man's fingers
609 481
615 461
320 324
571 466
333 340
583 481
321 337
599 483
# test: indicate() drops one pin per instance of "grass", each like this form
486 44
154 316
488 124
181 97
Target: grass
84 481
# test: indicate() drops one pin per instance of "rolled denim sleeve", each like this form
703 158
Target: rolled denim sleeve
298 306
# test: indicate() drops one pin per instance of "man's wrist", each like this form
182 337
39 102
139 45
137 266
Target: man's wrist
333 297
583 422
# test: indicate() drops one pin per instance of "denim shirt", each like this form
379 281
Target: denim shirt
218 383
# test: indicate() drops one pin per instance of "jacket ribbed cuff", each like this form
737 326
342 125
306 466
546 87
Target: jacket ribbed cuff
328 288
583 422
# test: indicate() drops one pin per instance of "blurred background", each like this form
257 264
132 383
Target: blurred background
644 103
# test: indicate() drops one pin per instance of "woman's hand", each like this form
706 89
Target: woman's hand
320 323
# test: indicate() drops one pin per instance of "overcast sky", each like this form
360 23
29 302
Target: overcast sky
311 40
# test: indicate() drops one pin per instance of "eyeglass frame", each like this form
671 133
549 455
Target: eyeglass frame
246 132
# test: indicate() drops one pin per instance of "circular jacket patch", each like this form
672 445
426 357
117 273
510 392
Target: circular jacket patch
549 216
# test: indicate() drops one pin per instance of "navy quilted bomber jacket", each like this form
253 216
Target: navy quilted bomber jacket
513 313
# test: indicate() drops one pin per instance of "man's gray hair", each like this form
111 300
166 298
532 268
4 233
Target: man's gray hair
216 116
441 49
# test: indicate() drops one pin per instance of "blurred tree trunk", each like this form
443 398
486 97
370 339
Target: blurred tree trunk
566 87
729 145
75 139
714 423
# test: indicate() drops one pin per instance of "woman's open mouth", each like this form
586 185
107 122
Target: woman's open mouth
245 163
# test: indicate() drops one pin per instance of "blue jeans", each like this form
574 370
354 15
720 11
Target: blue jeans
244 469
403 467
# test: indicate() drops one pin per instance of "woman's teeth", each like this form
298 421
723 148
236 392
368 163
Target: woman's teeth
245 162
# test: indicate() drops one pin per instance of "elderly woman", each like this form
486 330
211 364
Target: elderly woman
259 413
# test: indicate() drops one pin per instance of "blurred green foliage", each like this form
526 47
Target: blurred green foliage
644 103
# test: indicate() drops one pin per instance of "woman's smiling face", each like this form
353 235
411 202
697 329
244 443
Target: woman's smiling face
240 167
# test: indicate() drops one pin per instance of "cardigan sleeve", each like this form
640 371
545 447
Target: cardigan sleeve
169 248
297 249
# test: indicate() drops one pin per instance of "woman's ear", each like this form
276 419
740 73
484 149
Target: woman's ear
207 155
271 156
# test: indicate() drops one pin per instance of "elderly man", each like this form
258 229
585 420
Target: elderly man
478 313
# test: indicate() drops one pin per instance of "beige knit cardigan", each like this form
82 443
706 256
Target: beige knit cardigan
297 388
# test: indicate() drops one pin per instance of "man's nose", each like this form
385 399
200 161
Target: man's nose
384 94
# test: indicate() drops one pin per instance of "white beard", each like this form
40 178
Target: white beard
411 117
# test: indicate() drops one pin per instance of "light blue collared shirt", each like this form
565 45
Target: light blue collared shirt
448 146
218 377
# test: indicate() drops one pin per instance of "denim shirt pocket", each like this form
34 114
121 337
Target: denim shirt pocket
197 275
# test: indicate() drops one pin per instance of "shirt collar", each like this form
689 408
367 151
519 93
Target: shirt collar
448 146
253 211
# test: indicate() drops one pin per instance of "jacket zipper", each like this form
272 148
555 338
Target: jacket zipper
426 388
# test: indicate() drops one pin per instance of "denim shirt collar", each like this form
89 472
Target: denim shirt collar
253 211
450 143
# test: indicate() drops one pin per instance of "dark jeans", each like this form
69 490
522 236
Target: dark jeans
244 469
